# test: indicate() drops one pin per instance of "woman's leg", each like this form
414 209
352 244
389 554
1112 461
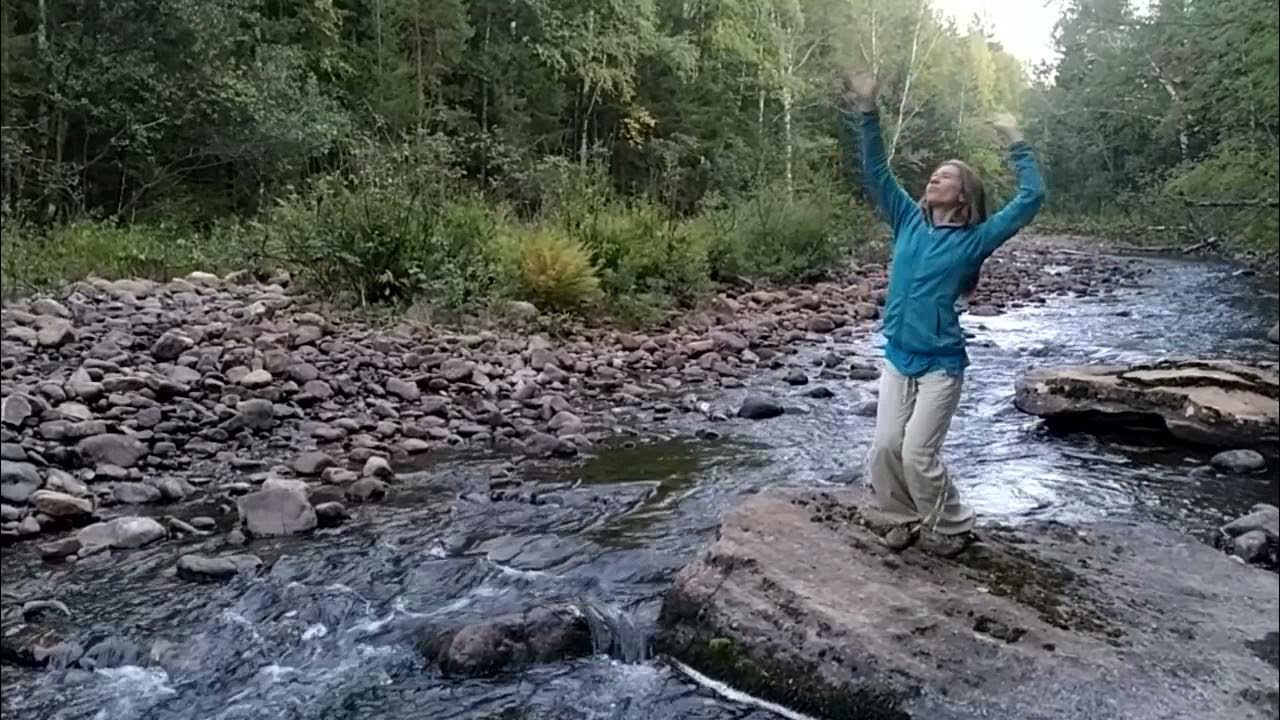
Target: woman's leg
932 492
884 462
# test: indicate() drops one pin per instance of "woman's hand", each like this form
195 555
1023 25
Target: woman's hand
1006 126
859 89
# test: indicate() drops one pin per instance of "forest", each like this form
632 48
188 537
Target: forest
616 154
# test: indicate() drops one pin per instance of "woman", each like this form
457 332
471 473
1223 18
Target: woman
940 243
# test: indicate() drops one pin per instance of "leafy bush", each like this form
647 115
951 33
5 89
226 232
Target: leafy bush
641 251
553 270
388 228
770 235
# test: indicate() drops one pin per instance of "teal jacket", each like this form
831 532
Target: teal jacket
931 265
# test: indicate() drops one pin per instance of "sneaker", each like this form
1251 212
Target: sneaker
947 546
900 537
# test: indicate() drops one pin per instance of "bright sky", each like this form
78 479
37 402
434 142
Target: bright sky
1023 27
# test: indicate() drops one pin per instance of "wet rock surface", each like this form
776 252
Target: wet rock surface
798 601
1211 402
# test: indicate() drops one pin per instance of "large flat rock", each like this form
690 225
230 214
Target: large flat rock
1209 402
797 602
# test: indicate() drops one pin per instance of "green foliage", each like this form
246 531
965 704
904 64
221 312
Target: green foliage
639 250
389 228
768 235
34 258
553 270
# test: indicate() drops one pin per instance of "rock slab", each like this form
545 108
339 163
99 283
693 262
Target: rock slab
797 602
1216 403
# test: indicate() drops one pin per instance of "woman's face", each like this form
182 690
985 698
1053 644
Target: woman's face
944 189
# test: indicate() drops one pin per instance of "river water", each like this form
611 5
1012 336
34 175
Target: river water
328 630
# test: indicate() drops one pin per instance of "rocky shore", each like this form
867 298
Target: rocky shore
132 393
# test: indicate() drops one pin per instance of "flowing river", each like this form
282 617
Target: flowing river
328 630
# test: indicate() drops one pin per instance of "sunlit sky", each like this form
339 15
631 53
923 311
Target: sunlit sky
1023 27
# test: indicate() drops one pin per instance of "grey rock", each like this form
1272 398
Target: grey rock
59 549
135 493
18 480
796 377
122 533
55 334
1264 519
174 489
205 569
365 490
15 409
313 462
509 642
377 467
256 379
170 345
52 308
330 514
257 413
1239 461
865 408
1233 402
338 476
797 592
760 408
1274 334
1251 546
61 506
121 450
276 512
403 389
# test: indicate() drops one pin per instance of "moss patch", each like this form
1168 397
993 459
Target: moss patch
763 675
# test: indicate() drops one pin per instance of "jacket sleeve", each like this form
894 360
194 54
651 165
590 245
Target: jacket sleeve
894 204
1021 210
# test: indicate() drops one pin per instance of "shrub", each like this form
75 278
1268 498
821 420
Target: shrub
389 228
785 239
641 251
553 271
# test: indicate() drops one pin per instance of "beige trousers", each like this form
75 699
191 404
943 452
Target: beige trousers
905 465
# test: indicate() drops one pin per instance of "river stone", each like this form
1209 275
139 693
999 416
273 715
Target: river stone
403 389
202 568
821 324
377 467
1251 546
275 512
1239 461
365 490
135 493
256 379
1274 334
760 408
1263 518
329 514
257 413
170 345
15 409
313 462
61 505
820 393
18 480
509 642
109 449
120 533
796 377
797 602
48 306
61 548
55 334
1210 402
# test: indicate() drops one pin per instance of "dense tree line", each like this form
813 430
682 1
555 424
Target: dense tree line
189 112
